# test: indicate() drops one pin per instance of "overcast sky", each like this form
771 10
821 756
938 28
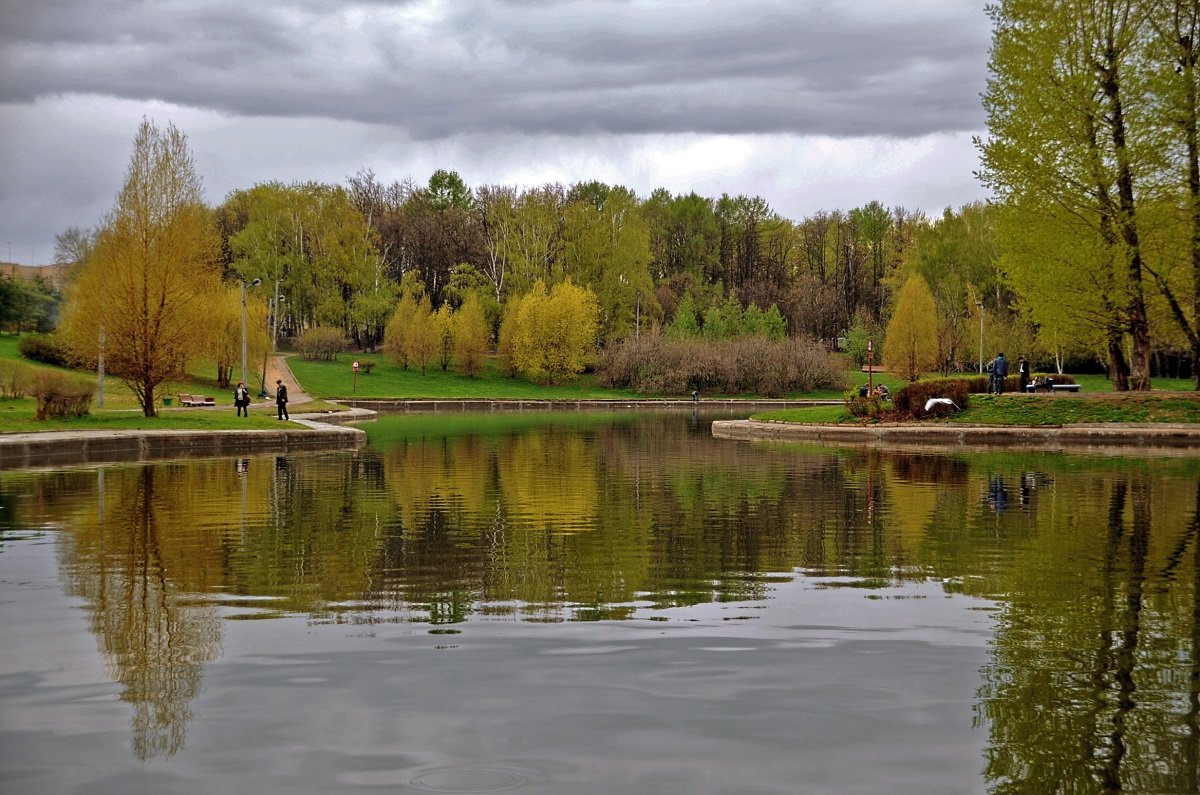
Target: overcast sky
810 104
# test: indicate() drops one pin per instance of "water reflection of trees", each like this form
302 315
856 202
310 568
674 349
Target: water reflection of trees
1095 679
122 560
595 519
1095 562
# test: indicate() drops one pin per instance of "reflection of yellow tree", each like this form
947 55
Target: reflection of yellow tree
547 516
155 646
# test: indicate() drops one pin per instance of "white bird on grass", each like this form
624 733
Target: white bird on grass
929 404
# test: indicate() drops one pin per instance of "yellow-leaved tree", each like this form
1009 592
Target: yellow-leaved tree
555 332
148 287
911 348
396 335
470 336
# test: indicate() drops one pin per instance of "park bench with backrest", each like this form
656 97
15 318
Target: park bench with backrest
1048 385
196 400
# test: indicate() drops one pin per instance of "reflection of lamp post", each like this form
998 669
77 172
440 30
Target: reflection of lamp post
254 283
979 305
870 368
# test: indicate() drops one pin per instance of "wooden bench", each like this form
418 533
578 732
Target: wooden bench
196 400
1048 385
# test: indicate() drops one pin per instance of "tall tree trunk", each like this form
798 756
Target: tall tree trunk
1135 310
1187 69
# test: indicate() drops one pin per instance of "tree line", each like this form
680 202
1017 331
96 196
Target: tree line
1089 253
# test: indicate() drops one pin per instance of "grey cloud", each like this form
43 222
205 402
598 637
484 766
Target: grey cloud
562 68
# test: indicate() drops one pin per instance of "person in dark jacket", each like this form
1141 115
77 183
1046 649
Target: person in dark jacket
1000 371
281 401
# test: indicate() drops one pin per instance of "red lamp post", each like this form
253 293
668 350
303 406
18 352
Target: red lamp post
870 368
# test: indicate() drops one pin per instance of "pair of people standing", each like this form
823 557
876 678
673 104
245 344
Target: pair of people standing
241 400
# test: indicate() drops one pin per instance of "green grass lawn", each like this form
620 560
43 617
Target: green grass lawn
1067 409
122 412
1033 410
16 416
336 380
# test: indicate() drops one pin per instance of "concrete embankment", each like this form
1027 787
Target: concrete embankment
1107 438
67 448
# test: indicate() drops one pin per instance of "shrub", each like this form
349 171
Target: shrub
909 402
867 407
321 343
757 365
59 395
45 348
15 379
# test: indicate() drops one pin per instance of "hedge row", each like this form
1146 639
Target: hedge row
909 402
657 365
45 348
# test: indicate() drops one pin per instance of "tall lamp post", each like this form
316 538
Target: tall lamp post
254 283
273 329
870 368
979 306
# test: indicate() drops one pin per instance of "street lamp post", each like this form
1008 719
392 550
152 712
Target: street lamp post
979 305
254 283
870 368
273 329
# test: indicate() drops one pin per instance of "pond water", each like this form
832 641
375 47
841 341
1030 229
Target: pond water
601 603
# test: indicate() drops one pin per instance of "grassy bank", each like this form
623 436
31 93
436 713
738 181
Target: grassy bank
16 416
1034 410
332 380
121 411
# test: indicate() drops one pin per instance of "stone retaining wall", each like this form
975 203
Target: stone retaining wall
1111 438
66 448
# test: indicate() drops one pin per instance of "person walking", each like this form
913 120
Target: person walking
281 401
1023 373
241 399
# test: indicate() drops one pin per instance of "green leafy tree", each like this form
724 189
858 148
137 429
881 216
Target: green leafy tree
685 324
309 242
606 247
774 324
1069 136
857 337
956 256
911 348
714 326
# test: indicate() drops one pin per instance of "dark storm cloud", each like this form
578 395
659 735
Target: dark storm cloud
432 70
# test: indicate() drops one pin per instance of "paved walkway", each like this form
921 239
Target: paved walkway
278 370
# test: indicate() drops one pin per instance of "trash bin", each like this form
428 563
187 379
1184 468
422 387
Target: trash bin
167 401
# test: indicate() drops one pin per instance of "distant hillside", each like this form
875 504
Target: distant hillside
55 275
